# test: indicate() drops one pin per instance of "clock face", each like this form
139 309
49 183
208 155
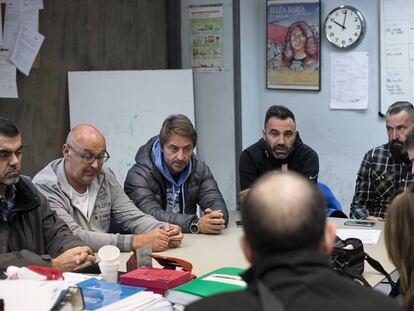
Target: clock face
344 26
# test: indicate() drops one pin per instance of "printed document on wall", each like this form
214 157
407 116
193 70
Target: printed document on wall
8 86
25 48
31 5
206 37
13 16
1 29
349 80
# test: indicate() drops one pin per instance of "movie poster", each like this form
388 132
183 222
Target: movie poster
293 45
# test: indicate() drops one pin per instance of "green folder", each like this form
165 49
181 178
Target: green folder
216 282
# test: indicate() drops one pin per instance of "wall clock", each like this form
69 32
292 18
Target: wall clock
344 27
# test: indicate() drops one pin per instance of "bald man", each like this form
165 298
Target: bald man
287 241
87 195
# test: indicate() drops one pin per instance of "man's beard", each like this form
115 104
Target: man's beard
397 150
279 148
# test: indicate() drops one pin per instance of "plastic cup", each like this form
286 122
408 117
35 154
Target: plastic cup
109 253
109 271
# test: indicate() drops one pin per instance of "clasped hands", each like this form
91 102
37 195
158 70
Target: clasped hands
212 222
159 239
74 258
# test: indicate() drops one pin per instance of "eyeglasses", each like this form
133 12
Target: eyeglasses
89 158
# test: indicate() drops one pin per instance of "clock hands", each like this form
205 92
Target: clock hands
343 23
342 26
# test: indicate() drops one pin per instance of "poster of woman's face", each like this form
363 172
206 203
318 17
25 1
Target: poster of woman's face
293 46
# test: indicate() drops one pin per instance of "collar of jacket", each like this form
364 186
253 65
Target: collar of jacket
27 197
298 141
301 261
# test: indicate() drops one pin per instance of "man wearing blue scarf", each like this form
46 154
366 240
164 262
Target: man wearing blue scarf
168 180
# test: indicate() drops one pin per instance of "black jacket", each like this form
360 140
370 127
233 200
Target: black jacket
301 281
258 159
33 234
146 187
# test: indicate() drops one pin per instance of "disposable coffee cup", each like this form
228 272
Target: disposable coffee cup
109 253
109 271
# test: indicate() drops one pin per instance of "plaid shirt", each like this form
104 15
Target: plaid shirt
7 202
379 180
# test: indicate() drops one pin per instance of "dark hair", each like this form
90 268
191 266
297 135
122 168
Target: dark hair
283 224
177 124
7 128
278 112
400 106
311 46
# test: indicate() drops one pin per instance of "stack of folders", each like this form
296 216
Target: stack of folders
105 296
218 281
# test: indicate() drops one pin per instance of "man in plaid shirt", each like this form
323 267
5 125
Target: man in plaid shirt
385 170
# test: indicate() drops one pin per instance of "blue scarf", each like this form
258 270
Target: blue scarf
174 188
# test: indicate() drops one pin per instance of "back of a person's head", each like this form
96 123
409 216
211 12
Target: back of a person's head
278 112
399 232
7 128
283 212
409 139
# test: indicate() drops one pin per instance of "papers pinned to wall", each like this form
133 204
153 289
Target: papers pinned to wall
349 80
20 40
25 48
8 86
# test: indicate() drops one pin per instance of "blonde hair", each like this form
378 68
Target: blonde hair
399 233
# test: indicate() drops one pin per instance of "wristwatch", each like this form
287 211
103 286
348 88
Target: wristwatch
195 227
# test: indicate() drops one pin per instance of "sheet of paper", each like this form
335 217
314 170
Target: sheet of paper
39 295
140 301
74 278
12 19
25 48
365 235
31 5
8 85
1 27
349 80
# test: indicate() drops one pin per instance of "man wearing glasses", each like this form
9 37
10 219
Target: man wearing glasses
385 170
30 233
86 195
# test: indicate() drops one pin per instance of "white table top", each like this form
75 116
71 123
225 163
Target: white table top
211 252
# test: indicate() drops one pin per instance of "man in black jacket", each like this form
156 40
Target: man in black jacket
168 180
287 240
280 148
30 233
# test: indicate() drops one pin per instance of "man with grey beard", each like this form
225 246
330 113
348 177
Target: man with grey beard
385 170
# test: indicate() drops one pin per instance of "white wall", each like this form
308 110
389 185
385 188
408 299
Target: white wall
214 106
340 137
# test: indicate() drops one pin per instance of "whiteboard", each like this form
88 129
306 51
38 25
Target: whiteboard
397 52
128 107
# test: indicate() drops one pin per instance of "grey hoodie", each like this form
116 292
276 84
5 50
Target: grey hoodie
109 200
